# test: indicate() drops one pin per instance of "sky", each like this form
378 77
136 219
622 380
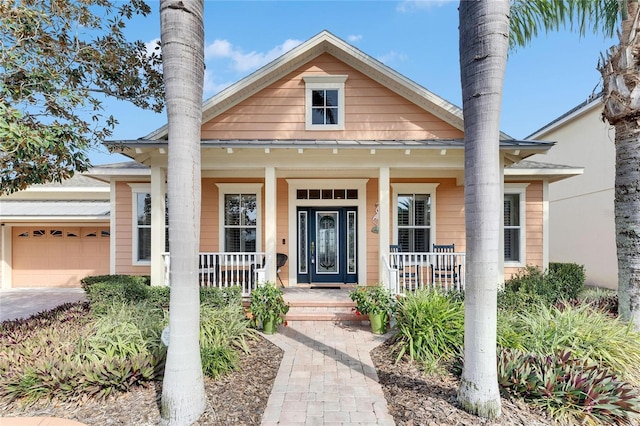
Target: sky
418 39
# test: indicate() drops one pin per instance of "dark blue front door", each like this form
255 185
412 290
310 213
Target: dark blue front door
327 245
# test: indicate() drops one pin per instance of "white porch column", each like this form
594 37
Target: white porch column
384 224
545 225
158 225
270 222
501 240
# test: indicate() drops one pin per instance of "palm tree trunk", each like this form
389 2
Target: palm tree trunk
182 35
621 86
484 29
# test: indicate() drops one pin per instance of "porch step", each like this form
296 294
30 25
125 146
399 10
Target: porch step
314 304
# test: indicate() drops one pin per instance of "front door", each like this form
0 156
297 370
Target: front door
327 245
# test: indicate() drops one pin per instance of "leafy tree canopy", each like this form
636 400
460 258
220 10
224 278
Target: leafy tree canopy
59 59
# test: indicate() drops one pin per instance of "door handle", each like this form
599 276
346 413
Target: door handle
313 251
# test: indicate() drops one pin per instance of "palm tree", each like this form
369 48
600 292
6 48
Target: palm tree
484 31
182 36
620 71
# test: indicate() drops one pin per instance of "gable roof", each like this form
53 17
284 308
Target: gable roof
325 42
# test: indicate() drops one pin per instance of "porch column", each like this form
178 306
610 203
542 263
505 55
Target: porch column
270 222
384 219
158 225
501 240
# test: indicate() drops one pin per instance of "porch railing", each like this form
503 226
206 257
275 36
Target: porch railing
411 271
218 269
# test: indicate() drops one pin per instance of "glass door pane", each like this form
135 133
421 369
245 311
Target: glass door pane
327 242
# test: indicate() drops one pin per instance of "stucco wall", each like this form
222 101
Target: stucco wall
582 223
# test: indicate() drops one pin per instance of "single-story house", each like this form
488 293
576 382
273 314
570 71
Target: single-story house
326 167
581 210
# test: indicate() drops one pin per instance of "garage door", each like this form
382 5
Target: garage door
58 256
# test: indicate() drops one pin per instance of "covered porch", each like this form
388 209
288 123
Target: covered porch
403 272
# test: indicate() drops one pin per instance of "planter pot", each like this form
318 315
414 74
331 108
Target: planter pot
269 326
378 322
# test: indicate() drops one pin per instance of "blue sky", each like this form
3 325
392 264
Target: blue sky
419 39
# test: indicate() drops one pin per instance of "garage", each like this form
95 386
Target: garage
58 256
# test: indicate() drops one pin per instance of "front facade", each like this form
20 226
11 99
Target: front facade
327 157
582 225
324 167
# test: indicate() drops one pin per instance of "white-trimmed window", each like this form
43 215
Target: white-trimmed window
141 230
324 102
240 217
414 216
514 223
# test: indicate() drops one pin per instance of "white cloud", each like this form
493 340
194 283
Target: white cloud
391 57
152 45
354 38
407 6
244 62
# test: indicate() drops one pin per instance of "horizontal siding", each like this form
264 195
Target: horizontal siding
371 111
373 240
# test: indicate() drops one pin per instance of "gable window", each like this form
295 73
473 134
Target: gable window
241 218
514 223
141 213
414 216
324 102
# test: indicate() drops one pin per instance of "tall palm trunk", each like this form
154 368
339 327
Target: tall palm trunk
484 29
621 86
182 35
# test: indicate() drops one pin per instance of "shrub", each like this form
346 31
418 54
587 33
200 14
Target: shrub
221 297
588 333
223 332
88 281
62 355
373 299
268 304
102 295
532 286
570 390
430 327
571 277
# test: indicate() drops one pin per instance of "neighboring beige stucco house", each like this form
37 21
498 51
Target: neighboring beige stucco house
582 223
328 157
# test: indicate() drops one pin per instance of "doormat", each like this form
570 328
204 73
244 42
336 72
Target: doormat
325 287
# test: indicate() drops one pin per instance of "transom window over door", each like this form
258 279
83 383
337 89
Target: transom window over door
414 216
324 102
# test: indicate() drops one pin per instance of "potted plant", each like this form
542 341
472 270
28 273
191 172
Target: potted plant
377 302
268 307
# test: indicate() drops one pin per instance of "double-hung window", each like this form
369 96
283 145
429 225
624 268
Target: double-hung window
141 212
324 109
514 223
414 216
240 217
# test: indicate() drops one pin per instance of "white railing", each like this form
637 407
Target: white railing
242 269
413 271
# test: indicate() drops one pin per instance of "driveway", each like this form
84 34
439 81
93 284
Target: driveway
23 302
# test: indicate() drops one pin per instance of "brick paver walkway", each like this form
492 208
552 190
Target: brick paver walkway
326 377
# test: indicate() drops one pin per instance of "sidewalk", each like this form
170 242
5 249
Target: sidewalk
326 377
